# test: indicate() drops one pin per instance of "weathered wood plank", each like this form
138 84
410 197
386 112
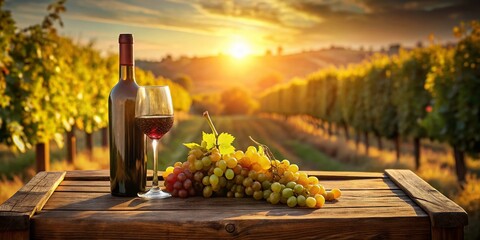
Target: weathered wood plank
208 224
104 201
16 212
104 175
443 212
358 184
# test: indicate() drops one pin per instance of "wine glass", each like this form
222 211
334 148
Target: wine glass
154 116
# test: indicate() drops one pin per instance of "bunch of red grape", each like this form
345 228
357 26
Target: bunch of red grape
179 182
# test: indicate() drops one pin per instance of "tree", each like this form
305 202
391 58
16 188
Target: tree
410 72
454 83
185 81
238 101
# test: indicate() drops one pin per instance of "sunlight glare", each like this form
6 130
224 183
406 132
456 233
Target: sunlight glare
239 49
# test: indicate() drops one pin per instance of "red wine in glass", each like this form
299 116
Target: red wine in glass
155 126
154 117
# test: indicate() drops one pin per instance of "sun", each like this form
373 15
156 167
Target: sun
240 49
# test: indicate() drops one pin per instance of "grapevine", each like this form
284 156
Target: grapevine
215 168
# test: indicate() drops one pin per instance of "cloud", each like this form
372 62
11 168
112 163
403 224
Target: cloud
296 23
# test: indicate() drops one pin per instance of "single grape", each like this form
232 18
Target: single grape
174 193
293 168
182 193
244 172
298 189
198 176
206 180
231 162
229 174
256 186
249 191
258 195
198 165
177 164
237 170
276 187
283 200
217 171
287 193
206 161
215 156
288 175
171 178
207 191
290 185
330 196
191 158
222 165
320 200
230 194
311 202
178 185
274 197
247 182
213 179
292 201
181 177
187 184
312 180
252 174
240 189
222 182
266 193
239 154
266 185
261 177
239 179
336 193
177 170
314 189
239 195
301 200
197 152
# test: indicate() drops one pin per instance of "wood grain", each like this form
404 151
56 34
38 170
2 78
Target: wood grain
443 212
15 213
358 184
104 175
207 224
104 201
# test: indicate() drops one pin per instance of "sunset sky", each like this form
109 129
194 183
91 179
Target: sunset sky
203 27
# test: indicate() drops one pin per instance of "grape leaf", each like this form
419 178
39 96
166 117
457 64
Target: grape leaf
210 139
225 141
191 145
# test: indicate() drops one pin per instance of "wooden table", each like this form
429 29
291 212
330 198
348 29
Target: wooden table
77 204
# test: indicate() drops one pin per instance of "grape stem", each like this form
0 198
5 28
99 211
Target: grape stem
210 123
269 154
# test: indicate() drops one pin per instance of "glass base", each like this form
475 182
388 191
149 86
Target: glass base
154 193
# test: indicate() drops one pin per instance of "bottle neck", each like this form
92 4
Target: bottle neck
127 73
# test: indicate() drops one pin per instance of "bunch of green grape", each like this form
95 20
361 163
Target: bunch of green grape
247 174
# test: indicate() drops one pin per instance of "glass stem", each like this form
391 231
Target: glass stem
155 166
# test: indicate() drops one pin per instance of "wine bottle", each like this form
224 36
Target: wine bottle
127 154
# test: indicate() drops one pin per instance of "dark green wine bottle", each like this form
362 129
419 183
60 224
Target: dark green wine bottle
127 160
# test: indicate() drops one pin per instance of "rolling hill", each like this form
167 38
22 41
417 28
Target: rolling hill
217 73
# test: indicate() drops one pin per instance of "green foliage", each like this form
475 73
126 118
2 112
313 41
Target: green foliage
454 83
48 83
238 101
424 92
185 81
410 73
